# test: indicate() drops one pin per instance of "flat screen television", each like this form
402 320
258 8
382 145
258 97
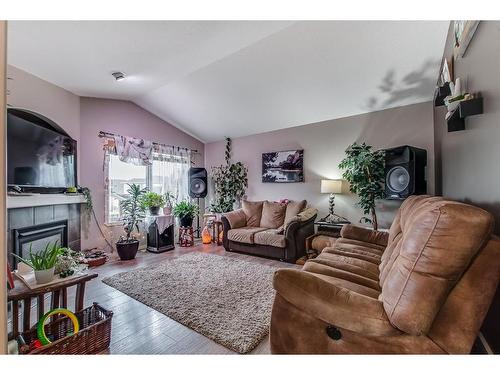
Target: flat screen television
41 157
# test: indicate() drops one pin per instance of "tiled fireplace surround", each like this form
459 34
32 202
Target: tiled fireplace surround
25 217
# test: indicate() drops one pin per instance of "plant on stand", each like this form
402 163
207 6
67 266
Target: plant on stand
133 214
364 170
153 201
230 183
186 211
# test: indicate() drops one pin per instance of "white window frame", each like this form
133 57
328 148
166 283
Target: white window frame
149 185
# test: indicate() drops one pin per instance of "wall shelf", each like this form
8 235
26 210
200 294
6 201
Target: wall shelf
465 109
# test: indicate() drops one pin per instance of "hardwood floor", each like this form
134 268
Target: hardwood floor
138 329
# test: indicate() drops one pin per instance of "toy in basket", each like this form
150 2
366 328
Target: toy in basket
85 332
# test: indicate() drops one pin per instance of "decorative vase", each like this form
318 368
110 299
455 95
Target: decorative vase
154 210
127 250
44 276
206 238
186 221
167 210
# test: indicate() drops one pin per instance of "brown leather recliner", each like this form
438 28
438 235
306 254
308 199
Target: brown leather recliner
424 287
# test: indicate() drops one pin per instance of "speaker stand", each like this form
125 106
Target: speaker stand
198 219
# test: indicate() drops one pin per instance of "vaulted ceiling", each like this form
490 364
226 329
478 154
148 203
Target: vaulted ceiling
234 78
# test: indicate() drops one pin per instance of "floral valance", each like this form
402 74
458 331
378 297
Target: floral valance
139 151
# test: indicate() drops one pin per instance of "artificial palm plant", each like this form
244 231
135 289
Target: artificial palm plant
364 170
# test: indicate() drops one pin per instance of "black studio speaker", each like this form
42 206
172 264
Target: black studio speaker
197 182
405 172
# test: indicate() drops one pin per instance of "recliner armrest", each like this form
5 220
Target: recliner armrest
354 232
236 218
332 304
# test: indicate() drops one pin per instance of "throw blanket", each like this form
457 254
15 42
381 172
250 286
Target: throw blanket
133 150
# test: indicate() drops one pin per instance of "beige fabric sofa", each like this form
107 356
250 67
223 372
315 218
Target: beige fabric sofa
270 229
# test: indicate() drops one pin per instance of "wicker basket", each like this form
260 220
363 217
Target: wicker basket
94 335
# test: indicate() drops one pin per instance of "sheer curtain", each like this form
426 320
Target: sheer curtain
170 171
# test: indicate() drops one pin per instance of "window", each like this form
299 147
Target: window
168 173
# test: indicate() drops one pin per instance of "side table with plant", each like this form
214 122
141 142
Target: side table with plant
133 214
153 201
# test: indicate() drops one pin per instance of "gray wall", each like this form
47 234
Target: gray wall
467 162
324 144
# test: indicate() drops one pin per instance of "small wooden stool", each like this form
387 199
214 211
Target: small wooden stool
186 237
217 229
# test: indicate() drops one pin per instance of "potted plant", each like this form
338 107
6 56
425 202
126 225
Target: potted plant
153 201
230 183
133 213
364 170
186 211
170 199
43 262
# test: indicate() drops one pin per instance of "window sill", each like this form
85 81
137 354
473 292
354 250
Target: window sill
114 224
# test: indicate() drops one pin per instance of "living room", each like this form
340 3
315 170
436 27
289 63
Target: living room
259 186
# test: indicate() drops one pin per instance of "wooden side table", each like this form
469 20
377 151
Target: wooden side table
59 298
186 236
217 229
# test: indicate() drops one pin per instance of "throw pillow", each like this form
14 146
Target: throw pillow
253 212
273 215
293 208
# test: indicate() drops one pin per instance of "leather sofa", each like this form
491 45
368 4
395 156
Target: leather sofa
270 229
423 287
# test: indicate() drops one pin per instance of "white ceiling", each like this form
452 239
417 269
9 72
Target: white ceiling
235 78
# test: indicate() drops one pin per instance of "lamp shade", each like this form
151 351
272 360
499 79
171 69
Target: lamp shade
331 186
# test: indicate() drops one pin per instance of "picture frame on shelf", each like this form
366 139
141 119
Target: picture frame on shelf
463 33
446 74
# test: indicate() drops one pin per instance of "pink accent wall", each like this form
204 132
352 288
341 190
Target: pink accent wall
125 118
27 91
324 144
82 119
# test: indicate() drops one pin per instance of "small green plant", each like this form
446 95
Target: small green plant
42 260
170 199
185 209
152 199
132 211
364 170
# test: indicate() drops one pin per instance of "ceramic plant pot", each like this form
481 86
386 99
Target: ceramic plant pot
186 221
127 250
44 276
154 210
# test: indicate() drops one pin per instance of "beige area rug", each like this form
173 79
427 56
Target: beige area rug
225 299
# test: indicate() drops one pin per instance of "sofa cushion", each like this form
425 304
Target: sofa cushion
365 282
245 234
439 239
270 237
293 208
273 215
253 212
344 262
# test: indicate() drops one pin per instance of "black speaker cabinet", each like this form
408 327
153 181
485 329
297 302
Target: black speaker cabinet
197 182
405 172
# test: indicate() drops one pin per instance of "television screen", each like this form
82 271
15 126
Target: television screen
283 166
37 154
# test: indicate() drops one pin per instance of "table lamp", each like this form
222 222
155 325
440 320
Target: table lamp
332 187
